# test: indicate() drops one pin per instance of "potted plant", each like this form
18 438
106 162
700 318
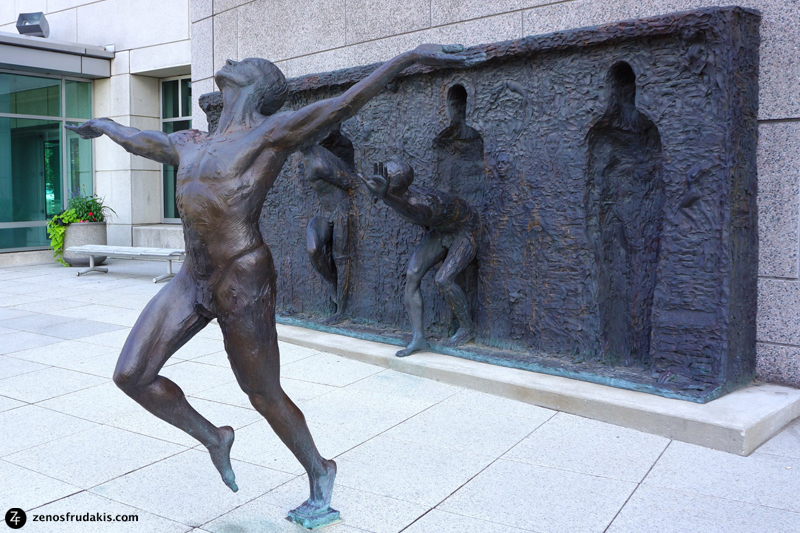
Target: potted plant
83 222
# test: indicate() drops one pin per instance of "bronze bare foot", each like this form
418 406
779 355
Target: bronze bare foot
221 457
462 336
418 344
316 511
334 319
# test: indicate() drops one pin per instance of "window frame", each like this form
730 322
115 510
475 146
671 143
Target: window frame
63 139
162 121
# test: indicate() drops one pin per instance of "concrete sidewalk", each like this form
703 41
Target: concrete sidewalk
414 455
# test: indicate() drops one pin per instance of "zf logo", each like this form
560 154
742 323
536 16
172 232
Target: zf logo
15 518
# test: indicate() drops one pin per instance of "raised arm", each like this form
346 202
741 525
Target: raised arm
153 145
378 185
304 125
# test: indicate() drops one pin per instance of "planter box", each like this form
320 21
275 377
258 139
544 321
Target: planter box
80 234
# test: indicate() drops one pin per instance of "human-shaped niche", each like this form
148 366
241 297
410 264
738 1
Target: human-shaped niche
459 152
624 219
328 167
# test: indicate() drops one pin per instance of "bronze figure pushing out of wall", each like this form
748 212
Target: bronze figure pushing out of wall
453 230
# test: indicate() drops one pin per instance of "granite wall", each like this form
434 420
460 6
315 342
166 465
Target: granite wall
304 38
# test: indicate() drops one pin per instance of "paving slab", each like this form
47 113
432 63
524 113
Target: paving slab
58 353
196 377
79 329
569 442
51 305
543 499
786 443
407 471
478 432
328 369
258 444
7 313
7 403
670 511
197 495
23 340
399 387
10 366
114 339
442 522
230 393
199 346
101 404
761 479
30 425
27 490
215 359
35 323
94 456
102 313
143 422
46 383
738 422
361 411
100 365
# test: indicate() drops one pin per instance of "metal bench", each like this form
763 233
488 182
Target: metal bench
128 252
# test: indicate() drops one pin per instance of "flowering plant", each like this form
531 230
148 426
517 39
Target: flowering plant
88 208
81 208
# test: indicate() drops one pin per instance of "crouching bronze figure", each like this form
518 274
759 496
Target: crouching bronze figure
452 237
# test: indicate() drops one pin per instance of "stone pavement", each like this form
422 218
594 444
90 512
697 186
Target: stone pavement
414 455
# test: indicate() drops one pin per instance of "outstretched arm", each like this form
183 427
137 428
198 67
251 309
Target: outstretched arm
306 124
378 185
153 145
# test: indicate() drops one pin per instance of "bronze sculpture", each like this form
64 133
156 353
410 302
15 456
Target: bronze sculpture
452 238
330 171
222 181
625 218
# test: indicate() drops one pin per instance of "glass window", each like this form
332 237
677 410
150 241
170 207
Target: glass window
30 95
79 163
21 238
78 97
176 115
170 99
30 169
186 98
41 163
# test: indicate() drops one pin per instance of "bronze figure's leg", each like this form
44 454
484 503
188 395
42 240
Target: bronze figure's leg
166 324
245 302
319 238
429 252
459 256
342 230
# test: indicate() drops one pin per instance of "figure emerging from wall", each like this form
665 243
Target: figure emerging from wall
624 219
459 150
452 239
222 181
329 169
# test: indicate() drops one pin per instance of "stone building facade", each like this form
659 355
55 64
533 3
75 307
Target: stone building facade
150 40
